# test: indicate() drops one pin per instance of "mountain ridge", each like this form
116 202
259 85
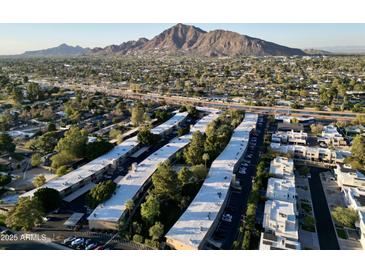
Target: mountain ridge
179 39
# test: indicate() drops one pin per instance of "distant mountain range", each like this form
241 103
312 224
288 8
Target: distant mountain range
61 50
184 40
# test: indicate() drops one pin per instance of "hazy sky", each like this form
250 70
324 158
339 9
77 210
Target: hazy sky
17 38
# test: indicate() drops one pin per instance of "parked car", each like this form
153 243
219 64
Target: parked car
91 246
6 232
69 240
77 242
227 217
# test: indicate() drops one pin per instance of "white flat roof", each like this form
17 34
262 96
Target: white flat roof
172 122
129 185
98 164
281 166
197 219
279 212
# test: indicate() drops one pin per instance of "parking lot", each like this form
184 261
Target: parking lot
227 228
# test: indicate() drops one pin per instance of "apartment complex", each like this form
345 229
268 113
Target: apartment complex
133 186
280 215
79 181
197 223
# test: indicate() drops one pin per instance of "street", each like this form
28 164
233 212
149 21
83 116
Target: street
324 225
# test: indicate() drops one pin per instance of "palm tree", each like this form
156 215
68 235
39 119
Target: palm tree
205 158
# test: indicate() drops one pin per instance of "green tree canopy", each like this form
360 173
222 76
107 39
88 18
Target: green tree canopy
4 180
194 153
62 170
199 171
146 137
6 143
156 231
137 115
49 198
150 209
44 144
100 193
346 217
358 150
73 143
25 215
38 181
36 160
185 176
165 181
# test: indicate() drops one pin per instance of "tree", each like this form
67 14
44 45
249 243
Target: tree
150 209
51 127
146 137
165 181
6 143
205 158
4 180
96 149
137 115
129 205
40 180
34 92
25 215
74 142
359 120
358 149
156 231
316 129
346 217
194 153
100 193
49 198
182 131
192 111
199 171
137 238
184 176
44 144
36 160
161 115
62 170
61 159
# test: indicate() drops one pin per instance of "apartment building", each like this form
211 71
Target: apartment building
349 177
281 189
290 137
331 137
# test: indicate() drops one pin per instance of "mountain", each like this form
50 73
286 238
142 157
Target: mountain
180 39
123 48
176 38
61 50
317 52
345 49
228 43
189 40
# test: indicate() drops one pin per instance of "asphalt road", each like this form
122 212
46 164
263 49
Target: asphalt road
324 225
237 200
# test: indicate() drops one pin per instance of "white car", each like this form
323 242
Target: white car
77 242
